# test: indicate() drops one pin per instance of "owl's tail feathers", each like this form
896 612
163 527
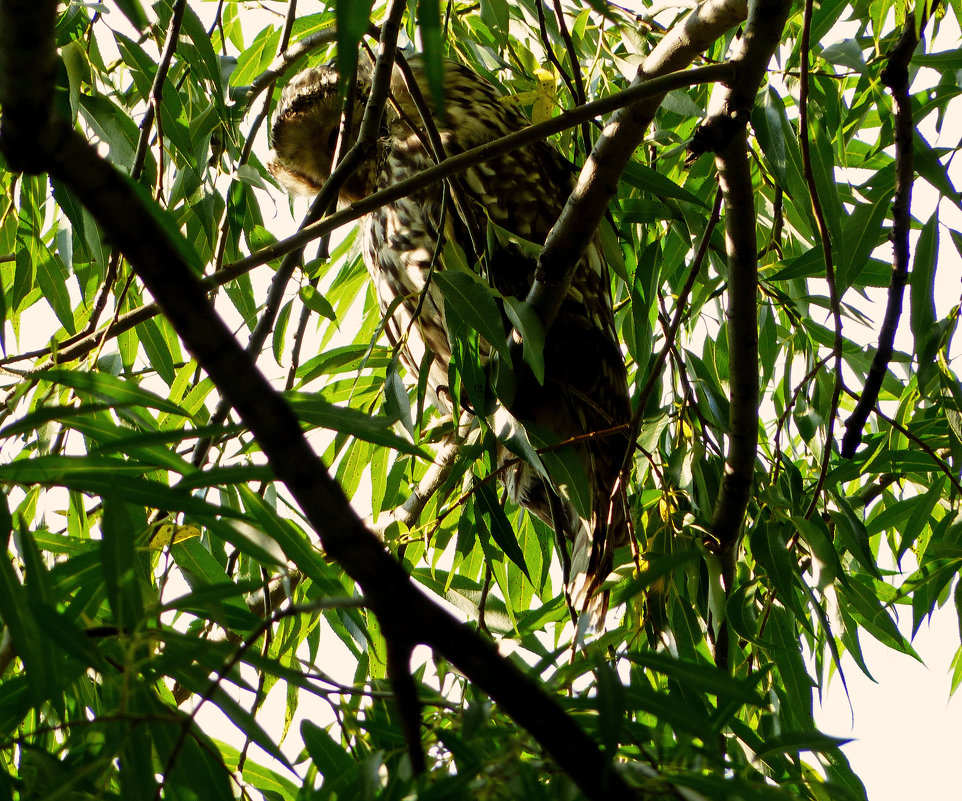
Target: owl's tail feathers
591 563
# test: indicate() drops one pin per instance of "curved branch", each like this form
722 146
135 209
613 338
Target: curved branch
598 181
896 77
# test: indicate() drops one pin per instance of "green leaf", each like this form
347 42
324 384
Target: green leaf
863 603
528 324
493 518
649 180
797 684
429 25
768 543
317 412
659 566
825 563
469 298
798 741
110 389
133 11
51 278
707 677
294 542
611 707
330 759
864 231
923 314
120 564
929 166
34 650
353 20
316 302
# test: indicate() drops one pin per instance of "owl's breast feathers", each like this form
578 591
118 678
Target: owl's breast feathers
585 388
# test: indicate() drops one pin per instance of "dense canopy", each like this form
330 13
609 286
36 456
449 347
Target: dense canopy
224 489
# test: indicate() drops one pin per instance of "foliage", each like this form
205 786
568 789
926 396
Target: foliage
153 560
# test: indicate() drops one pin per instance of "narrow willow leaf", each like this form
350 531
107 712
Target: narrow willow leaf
134 12
529 326
707 676
110 389
429 25
118 550
316 302
353 19
330 759
468 297
494 519
315 411
922 295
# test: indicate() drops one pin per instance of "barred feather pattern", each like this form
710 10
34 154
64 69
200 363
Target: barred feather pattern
585 388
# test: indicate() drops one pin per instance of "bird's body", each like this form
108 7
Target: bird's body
523 192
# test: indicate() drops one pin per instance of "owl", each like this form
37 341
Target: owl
585 388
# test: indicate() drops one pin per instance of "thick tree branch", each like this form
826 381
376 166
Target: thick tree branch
734 175
405 613
896 77
729 141
598 181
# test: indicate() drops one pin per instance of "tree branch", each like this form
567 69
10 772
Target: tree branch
726 134
761 37
826 243
598 181
896 77
157 88
405 613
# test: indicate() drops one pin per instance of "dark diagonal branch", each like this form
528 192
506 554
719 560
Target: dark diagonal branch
406 615
896 77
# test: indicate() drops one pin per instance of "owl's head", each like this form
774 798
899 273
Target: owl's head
305 129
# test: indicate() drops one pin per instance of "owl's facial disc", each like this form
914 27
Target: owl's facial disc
305 131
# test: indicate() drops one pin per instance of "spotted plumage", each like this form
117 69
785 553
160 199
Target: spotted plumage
585 387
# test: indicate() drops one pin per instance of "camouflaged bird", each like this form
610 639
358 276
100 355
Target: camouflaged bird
585 386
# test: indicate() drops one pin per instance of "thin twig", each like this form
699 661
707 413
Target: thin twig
654 371
156 90
579 84
826 243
